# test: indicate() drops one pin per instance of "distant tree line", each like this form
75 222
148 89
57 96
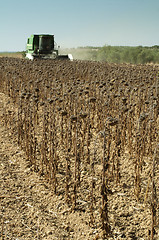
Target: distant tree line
124 54
114 54
119 54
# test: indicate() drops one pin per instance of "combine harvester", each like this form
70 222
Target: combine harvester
44 47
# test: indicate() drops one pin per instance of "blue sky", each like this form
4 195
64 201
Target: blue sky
80 22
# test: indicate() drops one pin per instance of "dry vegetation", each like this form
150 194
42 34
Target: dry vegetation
11 54
91 129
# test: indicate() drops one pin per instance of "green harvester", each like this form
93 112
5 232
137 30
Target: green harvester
43 46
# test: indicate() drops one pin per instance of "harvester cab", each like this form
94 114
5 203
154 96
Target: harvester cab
44 47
